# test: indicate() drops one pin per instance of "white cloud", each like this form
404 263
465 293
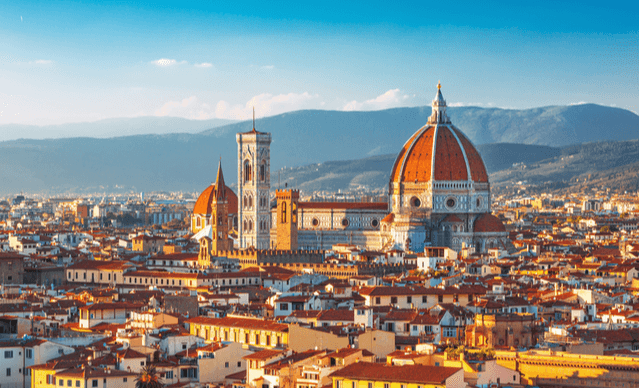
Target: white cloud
579 103
189 108
41 62
265 104
164 62
203 65
391 99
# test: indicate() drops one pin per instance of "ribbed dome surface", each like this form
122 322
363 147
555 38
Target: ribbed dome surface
204 201
439 152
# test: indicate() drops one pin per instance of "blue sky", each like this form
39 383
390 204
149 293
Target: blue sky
65 61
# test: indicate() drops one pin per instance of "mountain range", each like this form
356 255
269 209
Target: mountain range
188 161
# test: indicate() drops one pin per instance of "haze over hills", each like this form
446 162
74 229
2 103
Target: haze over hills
148 125
188 161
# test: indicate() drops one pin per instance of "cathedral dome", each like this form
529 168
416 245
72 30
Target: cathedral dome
488 223
438 152
204 201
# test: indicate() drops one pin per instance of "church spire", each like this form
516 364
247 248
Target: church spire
220 187
439 108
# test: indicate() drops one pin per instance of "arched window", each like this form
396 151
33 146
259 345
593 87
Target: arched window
250 202
263 171
250 225
245 226
283 212
247 171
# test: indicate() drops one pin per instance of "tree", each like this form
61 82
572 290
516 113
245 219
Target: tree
149 378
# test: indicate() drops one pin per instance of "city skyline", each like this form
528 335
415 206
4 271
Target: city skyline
67 62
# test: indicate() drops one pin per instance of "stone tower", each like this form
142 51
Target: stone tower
287 204
254 184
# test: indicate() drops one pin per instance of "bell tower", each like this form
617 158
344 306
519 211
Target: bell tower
254 184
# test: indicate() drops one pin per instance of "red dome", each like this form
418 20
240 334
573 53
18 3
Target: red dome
452 158
488 223
203 203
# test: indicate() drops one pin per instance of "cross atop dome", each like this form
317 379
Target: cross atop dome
439 108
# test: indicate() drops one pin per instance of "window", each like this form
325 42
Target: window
353 384
169 374
378 300
386 385
370 385
69 383
283 212
247 171
94 383
8 372
77 383
61 383
263 171
393 299
409 299
239 364
141 363
424 299
8 354
124 379
440 298
283 306
226 364
50 379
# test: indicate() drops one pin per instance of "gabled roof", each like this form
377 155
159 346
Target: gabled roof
420 374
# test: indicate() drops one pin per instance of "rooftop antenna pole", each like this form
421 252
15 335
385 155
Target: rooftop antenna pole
254 117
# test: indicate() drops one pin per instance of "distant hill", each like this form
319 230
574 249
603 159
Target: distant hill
606 164
187 161
150 125
374 172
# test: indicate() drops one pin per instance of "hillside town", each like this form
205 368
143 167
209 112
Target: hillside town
436 284
84 301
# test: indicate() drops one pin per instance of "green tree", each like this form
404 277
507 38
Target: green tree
149 378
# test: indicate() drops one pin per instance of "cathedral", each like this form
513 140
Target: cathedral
438 190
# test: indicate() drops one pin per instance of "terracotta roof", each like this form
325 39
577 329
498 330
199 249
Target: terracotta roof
420 374
203 203
487 223
452 218
418 159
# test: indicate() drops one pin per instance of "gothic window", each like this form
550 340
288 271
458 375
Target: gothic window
283 212
250 225
250 201
245 226
294 212
263 171
247 171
